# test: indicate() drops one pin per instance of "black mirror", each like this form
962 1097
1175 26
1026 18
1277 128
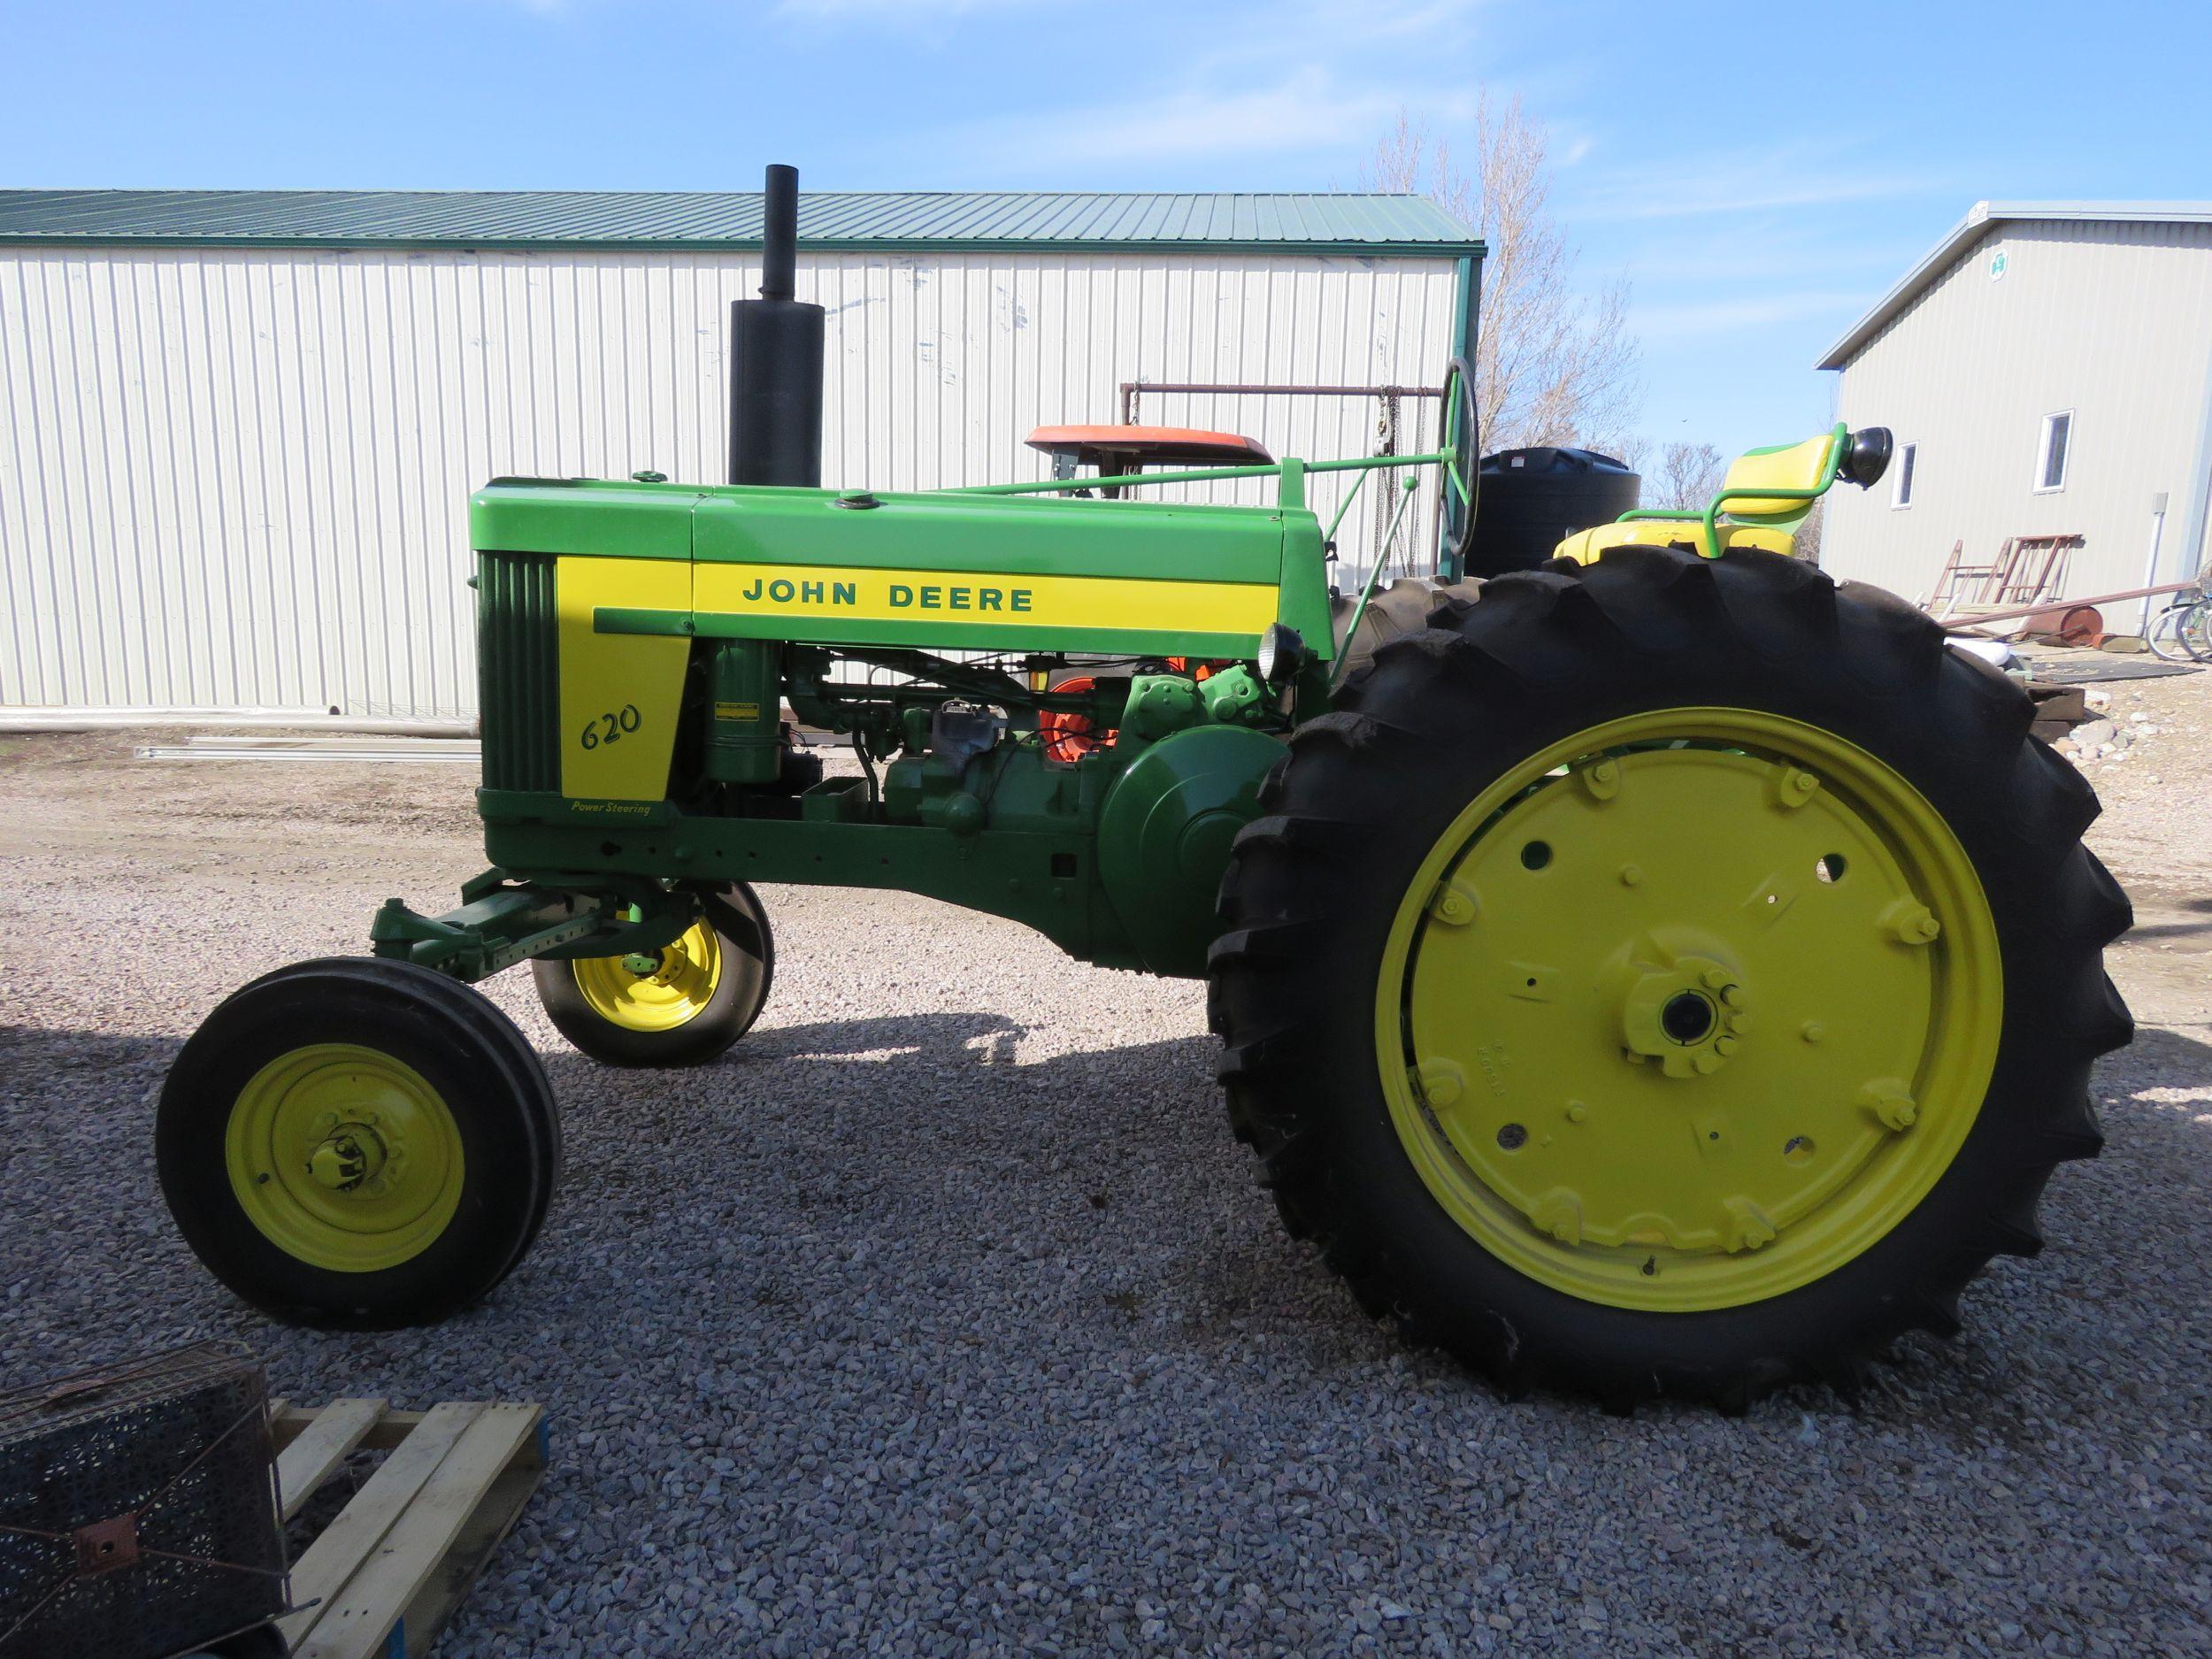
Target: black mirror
1868 457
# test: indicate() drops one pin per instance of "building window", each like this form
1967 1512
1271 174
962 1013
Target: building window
1901 491
2051 453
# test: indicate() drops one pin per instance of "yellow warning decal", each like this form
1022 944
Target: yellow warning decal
619 693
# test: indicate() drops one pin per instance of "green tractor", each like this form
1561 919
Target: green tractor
1663 971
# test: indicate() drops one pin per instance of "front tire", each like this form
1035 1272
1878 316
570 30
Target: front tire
1671 976
389 1172
681 1005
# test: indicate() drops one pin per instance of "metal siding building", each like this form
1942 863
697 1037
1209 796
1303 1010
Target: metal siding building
238 431
2102 311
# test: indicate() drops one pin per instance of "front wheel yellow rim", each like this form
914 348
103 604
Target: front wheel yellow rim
1689 1009
657 991
344 1158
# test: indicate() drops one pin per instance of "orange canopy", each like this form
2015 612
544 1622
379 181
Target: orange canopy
1127 446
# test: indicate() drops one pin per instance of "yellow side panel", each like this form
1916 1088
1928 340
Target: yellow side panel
1737 536
1801 466
982 599
1585 546
621 693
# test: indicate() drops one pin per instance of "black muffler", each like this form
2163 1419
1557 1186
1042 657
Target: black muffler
776 357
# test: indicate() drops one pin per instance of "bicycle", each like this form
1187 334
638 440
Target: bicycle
2181 632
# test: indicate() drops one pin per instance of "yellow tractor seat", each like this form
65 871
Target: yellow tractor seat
1584 546
1741 515
1795 466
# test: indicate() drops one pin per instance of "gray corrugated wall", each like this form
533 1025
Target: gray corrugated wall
238 478
2113 321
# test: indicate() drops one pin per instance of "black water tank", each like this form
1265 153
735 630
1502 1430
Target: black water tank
1531 499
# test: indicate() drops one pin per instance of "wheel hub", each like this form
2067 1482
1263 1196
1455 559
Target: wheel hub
1673 1011
1690 1016
345 1157
654 990
350 1157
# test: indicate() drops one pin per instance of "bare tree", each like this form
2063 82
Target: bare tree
1553 365
1687 475
1808 533
1630 449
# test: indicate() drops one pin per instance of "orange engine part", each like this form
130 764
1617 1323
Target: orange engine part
1069 737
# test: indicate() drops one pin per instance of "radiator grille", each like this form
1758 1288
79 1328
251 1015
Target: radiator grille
518 649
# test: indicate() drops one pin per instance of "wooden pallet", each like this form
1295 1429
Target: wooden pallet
382 1580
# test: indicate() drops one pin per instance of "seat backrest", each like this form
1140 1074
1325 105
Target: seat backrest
1780 466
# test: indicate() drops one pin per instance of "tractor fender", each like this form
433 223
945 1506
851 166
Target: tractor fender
1165 833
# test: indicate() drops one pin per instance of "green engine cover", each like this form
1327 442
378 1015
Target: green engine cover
1163 838
939 571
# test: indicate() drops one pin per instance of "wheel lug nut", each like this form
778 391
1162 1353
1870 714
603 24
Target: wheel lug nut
1440 1082
1748 1226
1454 907
1796 788
1911 922
1891 1104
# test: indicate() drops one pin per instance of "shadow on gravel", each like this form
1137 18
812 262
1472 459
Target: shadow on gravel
27 1051
2179 1061
970 1038
928 1135
2173 930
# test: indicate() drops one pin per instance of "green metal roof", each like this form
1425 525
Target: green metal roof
1065 220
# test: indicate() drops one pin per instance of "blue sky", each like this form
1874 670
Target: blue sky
1760 173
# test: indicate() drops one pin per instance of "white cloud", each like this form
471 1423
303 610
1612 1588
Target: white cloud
1734 183
893 11
1307 112
1298 78
1700 318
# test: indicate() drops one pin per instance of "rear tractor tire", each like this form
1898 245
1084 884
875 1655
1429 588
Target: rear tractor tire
1671 976
681 1005
357 1143
1393 612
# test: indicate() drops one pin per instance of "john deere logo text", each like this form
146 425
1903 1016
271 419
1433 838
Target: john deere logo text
898 596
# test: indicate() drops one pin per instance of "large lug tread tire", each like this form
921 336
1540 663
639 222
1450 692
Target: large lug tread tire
1490 678
1394 612
483 1068
747 950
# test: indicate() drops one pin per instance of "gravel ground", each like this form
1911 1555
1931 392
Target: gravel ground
943 1316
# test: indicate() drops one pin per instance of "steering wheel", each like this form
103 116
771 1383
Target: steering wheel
1463 464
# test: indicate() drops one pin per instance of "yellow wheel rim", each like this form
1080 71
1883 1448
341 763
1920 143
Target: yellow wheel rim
344 1158
656 992
1689 1009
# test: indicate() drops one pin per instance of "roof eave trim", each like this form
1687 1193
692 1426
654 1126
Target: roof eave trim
741 244
1894 302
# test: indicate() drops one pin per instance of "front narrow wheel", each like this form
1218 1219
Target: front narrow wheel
680 1005
1673 976
358 1142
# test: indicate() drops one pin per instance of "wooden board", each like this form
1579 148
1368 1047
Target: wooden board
385 1577
312 1456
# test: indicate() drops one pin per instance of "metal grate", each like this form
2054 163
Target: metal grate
518 686
138 1509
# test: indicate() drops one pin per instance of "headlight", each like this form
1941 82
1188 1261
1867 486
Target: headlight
1282 653
1868 458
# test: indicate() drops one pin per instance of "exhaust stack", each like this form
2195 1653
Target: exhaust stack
776 357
